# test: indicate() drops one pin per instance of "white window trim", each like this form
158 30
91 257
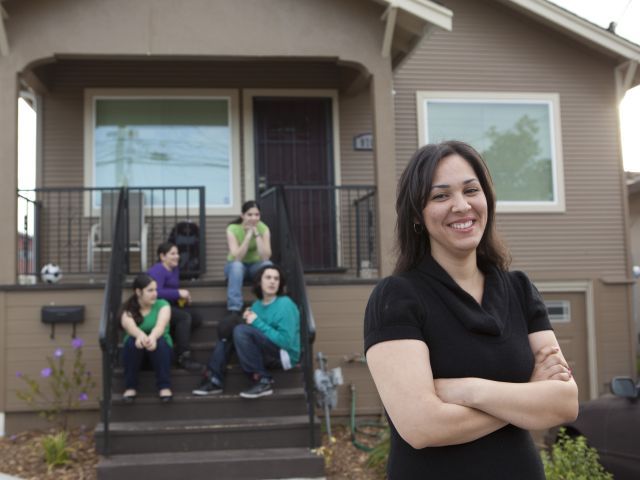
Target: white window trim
91 95
550 99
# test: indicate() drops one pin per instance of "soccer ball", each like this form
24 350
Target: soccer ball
51 273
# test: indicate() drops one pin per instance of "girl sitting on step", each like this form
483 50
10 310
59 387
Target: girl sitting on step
145 319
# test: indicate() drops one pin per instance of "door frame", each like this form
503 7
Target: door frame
585 288
249 160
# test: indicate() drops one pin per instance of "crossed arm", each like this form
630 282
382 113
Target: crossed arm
429 413
142 340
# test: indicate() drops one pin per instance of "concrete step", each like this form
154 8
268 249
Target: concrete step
269 463
205 434
183 381
285 401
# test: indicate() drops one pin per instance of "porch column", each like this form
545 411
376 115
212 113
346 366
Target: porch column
9 166
385 164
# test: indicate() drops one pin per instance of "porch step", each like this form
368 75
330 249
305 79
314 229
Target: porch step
269 463
205 434
183 381
285 401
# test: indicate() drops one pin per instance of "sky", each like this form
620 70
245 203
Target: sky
626 14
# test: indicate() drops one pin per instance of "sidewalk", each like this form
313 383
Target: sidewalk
4 476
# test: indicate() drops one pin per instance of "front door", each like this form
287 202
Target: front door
294 147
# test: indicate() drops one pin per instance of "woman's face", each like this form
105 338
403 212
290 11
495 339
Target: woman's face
456 211
270 282
148 295
251 216
171 258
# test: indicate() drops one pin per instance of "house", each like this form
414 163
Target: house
329 98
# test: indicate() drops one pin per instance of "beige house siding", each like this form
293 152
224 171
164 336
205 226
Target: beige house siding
338 312
512 53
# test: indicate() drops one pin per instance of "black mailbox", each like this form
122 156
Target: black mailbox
53 315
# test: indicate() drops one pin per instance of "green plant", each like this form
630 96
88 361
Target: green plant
380 453
56 451
572 459
67 389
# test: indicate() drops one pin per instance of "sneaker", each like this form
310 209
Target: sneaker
261 388
207 387
184 361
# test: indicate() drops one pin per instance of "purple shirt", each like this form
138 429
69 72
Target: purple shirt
168 281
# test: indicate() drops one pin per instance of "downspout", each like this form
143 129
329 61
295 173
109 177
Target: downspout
4 40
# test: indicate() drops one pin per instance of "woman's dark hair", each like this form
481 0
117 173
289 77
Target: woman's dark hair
257 288
413 193
164 248
249 204
131 305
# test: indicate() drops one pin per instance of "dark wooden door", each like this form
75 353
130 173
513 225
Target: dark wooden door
294 147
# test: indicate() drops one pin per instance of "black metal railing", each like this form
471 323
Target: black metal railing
73 228
275 212
109 322
335 227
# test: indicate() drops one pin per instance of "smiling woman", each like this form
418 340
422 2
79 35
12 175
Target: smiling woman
461 350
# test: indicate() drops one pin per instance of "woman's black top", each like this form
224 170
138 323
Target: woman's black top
465 339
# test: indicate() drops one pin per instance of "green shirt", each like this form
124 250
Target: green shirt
280 322
150 319
252 255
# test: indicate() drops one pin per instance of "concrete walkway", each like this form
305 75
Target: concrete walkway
4 476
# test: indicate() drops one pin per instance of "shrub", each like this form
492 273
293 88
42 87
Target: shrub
56 451
67 389
572 459
379 454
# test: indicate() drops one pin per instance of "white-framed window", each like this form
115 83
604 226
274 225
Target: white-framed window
518 134
559 310
158 138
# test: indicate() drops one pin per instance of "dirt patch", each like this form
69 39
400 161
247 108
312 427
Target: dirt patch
22 455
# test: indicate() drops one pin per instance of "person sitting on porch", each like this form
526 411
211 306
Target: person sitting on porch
269 338
145 319
184 320
249 242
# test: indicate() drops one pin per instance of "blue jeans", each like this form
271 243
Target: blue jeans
236 272
255 351
219 359
160 361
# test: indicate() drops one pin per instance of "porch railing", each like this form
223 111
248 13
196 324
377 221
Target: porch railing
109 322
73 228
335 227
275 212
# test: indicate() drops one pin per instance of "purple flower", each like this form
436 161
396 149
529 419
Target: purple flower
45 372
13 438
83 397
18 374
58 353
77 343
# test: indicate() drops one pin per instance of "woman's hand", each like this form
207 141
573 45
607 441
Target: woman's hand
185 294
550 365
141 341
249 316
152 343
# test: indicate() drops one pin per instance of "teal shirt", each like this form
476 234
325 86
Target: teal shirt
150 319
252 255
280 322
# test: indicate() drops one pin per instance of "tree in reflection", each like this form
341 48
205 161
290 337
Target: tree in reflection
517 167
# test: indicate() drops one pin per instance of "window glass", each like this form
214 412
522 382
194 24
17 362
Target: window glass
515 138
149 142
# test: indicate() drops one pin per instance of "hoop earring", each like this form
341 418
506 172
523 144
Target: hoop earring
418 228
